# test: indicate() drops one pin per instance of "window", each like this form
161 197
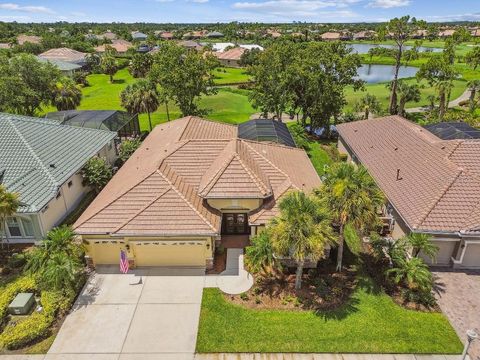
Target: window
14 227
27 227
70 183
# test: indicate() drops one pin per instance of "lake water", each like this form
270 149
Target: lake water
382 73
363 48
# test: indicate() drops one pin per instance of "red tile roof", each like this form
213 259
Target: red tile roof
438 183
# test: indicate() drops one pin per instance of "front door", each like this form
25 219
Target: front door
235 224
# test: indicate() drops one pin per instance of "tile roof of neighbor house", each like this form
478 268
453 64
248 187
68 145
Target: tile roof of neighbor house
62 65
161 189
434 184
33 39
118 44
232 54
64 54
39 155
331 36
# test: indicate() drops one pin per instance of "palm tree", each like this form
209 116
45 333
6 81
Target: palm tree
413 273
9 204
407 92
259 255
109 65
443 87
353 197
473 86
301 231
368 104
66 95
422 243
141 97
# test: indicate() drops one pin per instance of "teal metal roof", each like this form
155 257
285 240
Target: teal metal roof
38 155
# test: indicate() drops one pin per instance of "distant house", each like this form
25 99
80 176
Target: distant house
22 39
108 35
446 33
432 185
475 32
65 33
67 68
420 34
120 45
214 35
273 33
221 46
364 35
331 36
42 162
65 55
189 44
124 124
166 35
139 36
194 35
230 57
251 46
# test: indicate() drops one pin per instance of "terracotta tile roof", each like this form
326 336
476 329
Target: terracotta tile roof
33 39
160 190
64 54
438 183
232 54
120 45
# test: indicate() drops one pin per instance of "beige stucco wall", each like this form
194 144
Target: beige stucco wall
109 152
235 205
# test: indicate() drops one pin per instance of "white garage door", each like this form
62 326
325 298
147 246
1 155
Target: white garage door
181 253
471 258
445 252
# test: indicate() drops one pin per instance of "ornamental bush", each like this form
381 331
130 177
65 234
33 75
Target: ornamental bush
22 284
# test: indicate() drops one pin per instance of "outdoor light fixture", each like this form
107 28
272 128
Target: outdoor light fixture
471 335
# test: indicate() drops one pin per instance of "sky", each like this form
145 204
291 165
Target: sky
208 11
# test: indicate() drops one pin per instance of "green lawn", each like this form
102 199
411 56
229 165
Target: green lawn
227 75
370 323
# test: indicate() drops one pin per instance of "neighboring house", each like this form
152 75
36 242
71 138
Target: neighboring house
364 35
120 45
42 161
139 36
22 39
432 185
65 55
475 32
124 124
192 186
446 33
251 46
67 68
331 36
214 35
190 44
108 35
230 57
273 33
420 34
221 46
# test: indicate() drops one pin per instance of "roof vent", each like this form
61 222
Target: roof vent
52 166
398 175
395 148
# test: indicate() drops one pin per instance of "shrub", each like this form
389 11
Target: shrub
127 148
22 284
97 173
16 261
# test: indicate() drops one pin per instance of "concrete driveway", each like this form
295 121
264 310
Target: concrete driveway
148 314
459 298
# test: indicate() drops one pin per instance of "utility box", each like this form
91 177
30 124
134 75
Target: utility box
22 304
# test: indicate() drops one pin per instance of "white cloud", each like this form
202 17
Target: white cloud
200 1
387 4
453 17
26 8
164 1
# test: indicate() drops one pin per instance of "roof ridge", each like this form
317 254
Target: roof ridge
142 209
185 128
221 169
437 200
250 172
33 154
184 198
270 162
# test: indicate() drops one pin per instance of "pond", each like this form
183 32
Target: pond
363 48
375 73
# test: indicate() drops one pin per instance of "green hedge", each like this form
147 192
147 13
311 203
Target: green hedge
22 284
36 325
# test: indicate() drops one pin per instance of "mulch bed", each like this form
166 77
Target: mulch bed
322 289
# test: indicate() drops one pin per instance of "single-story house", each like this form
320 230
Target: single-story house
420 34
192 186
139 36
67 68
273 33
475 32
432 185
165 35
64 54
331 36
42 162
446 33
364 35
108 35
33 39
230 57
190 44
214 34
221 46
194 34
124 124
120 45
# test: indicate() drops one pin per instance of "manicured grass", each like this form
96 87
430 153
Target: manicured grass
227 75
318 156
370 323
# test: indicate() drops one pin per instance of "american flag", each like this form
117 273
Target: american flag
123 262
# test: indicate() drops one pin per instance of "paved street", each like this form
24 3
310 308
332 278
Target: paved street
459 299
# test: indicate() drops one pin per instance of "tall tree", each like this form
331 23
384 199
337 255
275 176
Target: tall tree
109 65
9 204
399 29
368 104
407 92
66 95
353 198
474 87
440 74
185 75
141 97
473 57
140 65
26 84
301 231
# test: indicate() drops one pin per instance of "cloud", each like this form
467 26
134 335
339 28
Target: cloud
26 8
453 17
200 1
387 4
164 1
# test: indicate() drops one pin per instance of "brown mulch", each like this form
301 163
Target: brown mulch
219 263
322 289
